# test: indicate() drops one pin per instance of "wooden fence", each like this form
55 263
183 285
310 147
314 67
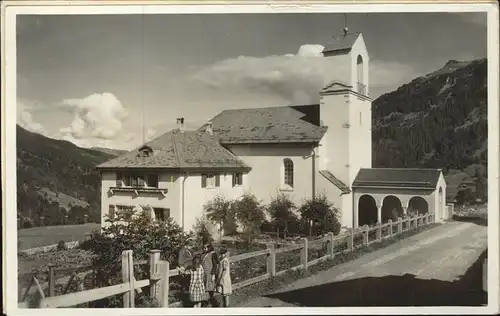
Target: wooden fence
160 272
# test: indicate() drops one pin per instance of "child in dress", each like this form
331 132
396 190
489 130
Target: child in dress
224 286
197 292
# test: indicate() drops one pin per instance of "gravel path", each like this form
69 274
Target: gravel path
436 267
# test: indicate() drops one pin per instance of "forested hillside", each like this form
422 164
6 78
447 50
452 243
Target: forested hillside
56 178
438 121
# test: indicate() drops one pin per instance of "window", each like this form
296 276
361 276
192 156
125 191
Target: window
125 211
210 180
152 180
161 214
138 180
237 179
288 172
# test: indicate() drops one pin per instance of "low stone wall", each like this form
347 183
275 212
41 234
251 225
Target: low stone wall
32 251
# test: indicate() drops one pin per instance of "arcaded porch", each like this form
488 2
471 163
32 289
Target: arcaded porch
381 195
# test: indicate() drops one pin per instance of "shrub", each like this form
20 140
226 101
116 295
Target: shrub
280 211
201 232
61 245
219 212
322 214
130 231
250 215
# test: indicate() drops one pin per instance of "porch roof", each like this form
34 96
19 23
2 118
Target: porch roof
397 178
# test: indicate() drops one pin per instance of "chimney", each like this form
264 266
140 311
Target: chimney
209 129
180 124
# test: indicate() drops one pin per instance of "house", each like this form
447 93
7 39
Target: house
298 150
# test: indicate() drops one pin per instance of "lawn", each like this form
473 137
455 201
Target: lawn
50 235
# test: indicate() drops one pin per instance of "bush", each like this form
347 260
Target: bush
219 212
322 214
201 232
280 211
250 215
136 232
61 246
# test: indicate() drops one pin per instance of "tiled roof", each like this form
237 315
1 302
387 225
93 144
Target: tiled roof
341 42
396 177
179 150
339 184
265 125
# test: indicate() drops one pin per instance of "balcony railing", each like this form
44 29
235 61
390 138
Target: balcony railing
138 190
361 88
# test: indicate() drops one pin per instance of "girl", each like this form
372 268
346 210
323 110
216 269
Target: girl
197 292
224 286
210 264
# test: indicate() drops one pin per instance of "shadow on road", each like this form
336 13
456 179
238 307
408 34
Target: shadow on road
403 290
471 219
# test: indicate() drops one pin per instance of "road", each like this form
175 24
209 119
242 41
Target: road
438 267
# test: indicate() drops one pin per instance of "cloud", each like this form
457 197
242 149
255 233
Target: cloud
97 116
150 134
25 118
295 78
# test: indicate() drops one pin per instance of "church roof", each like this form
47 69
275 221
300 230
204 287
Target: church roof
335 181
286 124
178 150
341 43
396 177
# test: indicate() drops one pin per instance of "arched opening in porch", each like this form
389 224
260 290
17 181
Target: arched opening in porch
391 209
367 210
418 205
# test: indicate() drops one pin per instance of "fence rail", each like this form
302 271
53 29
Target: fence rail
160 272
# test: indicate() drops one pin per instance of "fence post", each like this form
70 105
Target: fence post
271 260
379 231
331 245
390 228
154 259
52 280
365 235
127 276
400 225
165 284
408 226
303 253
350 240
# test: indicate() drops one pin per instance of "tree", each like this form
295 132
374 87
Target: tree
130 230
249 213
280 211
320 216
219 212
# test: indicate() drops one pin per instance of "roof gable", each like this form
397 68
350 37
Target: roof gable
266 125
178 150
397 178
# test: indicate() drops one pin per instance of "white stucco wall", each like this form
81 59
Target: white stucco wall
166 181
440 200
265 180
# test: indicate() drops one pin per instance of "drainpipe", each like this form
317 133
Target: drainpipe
313 159
184 178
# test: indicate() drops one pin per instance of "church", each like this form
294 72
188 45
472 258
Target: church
299 150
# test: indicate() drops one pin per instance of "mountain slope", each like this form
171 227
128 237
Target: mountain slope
113 152
54 174
437 121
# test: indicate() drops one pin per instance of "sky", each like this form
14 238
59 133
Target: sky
94 79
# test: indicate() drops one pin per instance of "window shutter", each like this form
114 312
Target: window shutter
240 179
234 179
119 179
140 181
217 180
203 180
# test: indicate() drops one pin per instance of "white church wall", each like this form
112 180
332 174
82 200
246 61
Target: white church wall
266 179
